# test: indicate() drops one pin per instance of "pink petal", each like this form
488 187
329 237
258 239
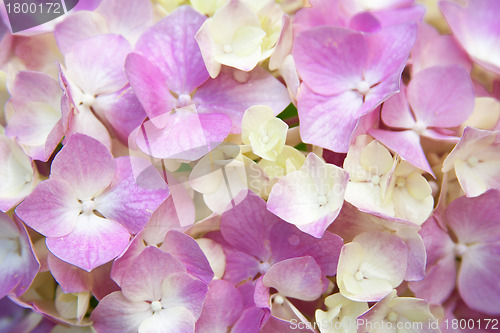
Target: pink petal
162 220
171 46
125 260
144 278
190 135
412 13
288 242
222 307
19 264
396 111
474 220
439 281
150 86
71 278
388 51
246 226
183 290
251 320
330 60
93 242
240 266
117 314
85 164
103 284
174 320
297 277
95 65
128 18
36 87
328 122
433 49
51 209
477 279
186 250
122 110
78 26
406 144
437 241
364 22
35 121
233 91
476 29
321 12
129 202
85 122
87 5
380 93
417 256
441 96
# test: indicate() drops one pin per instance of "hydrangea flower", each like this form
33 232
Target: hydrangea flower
371 266
338 88
352 222
89 198
224 176
472 221
437 98
156 178
93 82
310 198
265 133
259 243
240 34
185 106
157 294
383 184
476 160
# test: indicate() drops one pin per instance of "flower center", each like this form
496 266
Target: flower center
183 100
460 249
88 100
363 87
88 206
265 139
156 306
279 299
376 180
227 48
472 161
359 276
419 127
264 267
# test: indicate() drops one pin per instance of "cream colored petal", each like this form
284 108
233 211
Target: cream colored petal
376 158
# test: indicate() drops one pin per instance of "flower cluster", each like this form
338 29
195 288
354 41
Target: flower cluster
252 166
